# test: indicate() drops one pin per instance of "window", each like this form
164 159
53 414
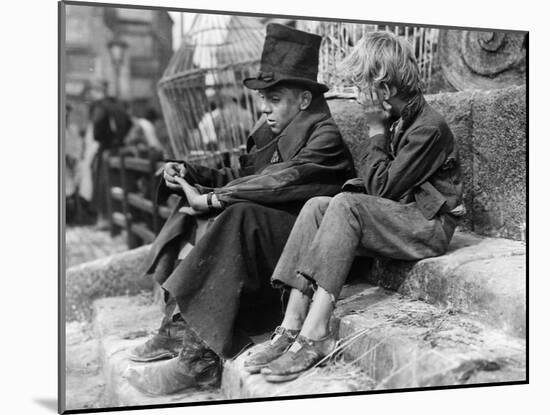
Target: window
80 63
141 67
139 45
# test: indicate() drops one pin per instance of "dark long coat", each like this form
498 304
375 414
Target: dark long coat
222 286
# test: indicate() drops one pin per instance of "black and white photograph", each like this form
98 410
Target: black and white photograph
256 207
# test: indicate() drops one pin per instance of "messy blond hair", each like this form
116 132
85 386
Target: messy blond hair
382 57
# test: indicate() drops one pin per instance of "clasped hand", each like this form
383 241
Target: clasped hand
171 171
173 177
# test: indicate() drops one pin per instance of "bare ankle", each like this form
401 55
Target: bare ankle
293 322
316 333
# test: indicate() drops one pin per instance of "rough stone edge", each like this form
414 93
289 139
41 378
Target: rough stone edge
114 275
416 279
237 383
395 345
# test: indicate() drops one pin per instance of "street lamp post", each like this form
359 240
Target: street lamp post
117 48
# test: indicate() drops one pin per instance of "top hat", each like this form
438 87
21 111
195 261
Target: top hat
289 55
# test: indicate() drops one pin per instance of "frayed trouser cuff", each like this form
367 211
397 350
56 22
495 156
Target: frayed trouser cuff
315 285
298 281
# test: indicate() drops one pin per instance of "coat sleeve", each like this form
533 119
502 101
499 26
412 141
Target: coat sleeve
198 175
421 155
318 168
206 176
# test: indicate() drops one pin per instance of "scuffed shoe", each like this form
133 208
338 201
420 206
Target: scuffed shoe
301 356
281 340
157 347
165 344
191 368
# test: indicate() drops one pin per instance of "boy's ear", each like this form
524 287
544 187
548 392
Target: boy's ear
305 100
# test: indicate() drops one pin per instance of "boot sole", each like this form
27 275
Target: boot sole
254 369
281 378
162 356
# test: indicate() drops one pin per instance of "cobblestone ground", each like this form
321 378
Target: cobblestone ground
86 243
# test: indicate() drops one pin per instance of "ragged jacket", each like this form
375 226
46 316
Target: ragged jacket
417 161
309 158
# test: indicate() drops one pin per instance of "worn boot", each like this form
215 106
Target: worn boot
166 343
195 366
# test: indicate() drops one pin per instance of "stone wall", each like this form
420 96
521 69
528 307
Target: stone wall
490 129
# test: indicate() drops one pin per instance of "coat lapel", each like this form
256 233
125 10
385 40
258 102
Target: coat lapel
408 116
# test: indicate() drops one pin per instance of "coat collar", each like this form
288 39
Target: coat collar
408 115
411 110
293 137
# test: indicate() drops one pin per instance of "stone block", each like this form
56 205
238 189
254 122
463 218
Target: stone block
456 108
349 116
485 277
499 140
237 383
401 343
387 341
110 276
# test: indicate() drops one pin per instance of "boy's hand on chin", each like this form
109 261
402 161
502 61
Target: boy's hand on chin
378 121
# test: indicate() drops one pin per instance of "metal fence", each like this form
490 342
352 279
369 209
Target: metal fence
339 38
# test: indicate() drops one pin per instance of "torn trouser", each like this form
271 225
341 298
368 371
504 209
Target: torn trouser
330 232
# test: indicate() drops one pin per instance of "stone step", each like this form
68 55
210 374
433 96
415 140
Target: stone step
117 328
393 342
120 323
480 276
390 342
338 377
109 276
403 343
237 383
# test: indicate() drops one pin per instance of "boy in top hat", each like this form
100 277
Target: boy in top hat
222 287
404 206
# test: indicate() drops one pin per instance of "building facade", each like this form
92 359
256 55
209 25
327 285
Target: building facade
88 63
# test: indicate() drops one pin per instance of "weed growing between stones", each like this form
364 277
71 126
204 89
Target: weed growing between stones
439 330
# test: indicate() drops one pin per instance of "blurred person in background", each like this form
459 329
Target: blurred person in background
110 124
141 140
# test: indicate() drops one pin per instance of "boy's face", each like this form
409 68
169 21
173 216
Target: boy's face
280 105
377 98
381 97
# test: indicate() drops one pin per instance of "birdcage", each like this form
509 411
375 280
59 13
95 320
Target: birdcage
339 38
207 110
